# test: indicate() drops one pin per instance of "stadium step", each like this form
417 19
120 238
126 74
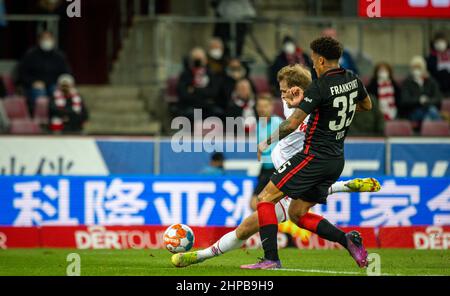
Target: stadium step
118 109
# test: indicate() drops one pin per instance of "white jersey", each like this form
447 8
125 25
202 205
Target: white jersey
292 143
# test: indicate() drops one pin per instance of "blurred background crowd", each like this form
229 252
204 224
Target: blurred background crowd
224 71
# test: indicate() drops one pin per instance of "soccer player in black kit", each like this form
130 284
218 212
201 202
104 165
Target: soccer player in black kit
332 100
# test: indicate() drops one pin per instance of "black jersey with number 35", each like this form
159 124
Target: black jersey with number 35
331 101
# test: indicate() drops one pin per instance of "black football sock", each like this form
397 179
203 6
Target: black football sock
269 242
330 232
268 229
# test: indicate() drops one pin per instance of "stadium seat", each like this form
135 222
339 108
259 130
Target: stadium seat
9 84
16 108
171 86
435 129
41 110
445 107
24 126
261 84
278 108
398 128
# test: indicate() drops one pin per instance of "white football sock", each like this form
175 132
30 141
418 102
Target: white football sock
339 187
226 243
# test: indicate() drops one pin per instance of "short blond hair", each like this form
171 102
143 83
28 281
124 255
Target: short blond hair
295 75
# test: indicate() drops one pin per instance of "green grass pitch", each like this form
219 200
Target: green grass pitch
296 262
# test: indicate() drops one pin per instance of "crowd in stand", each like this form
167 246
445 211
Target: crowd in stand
50 100
222 85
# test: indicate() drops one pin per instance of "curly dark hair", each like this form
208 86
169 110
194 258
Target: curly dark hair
327 47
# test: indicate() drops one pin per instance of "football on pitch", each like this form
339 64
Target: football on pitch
178 238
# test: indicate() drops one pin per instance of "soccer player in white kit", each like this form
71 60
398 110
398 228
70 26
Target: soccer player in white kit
283 151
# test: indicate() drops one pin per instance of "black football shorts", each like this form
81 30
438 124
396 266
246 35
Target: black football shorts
308 178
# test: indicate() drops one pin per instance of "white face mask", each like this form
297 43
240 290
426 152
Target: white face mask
383 75
216 53
417 73
440 45
289 48
47 45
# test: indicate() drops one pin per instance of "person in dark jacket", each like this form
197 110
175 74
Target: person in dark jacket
67 111
290 54
383 87
234 72
3 92
40 68
438 62
421 97
198 87
243 105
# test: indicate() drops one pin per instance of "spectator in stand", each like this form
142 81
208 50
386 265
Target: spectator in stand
346 61
438 62
233 9
215 167
243 104
40 68
2 88
421 97
198 88
234 72
67 110
216 57
385 90
290 54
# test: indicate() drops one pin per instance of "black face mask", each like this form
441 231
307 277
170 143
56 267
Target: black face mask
197 63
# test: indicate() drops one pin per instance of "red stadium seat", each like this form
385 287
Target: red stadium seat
24 126
9 84
261 84
435 129
398 128
171 86
16 108
445 107
41 110
278 108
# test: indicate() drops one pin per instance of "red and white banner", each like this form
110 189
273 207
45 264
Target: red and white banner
150 237
405 8
313 242
120 237
19 237
415 237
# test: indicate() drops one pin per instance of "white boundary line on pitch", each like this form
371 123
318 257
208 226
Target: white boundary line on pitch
344 272
318 271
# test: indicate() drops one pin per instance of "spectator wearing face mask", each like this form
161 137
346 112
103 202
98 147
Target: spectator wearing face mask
67 110
40 68
438 62
198 87
243 104
420 93
234 72
216 56
290 54
385 90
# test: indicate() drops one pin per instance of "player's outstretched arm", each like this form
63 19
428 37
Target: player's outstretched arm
364 105
285 128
